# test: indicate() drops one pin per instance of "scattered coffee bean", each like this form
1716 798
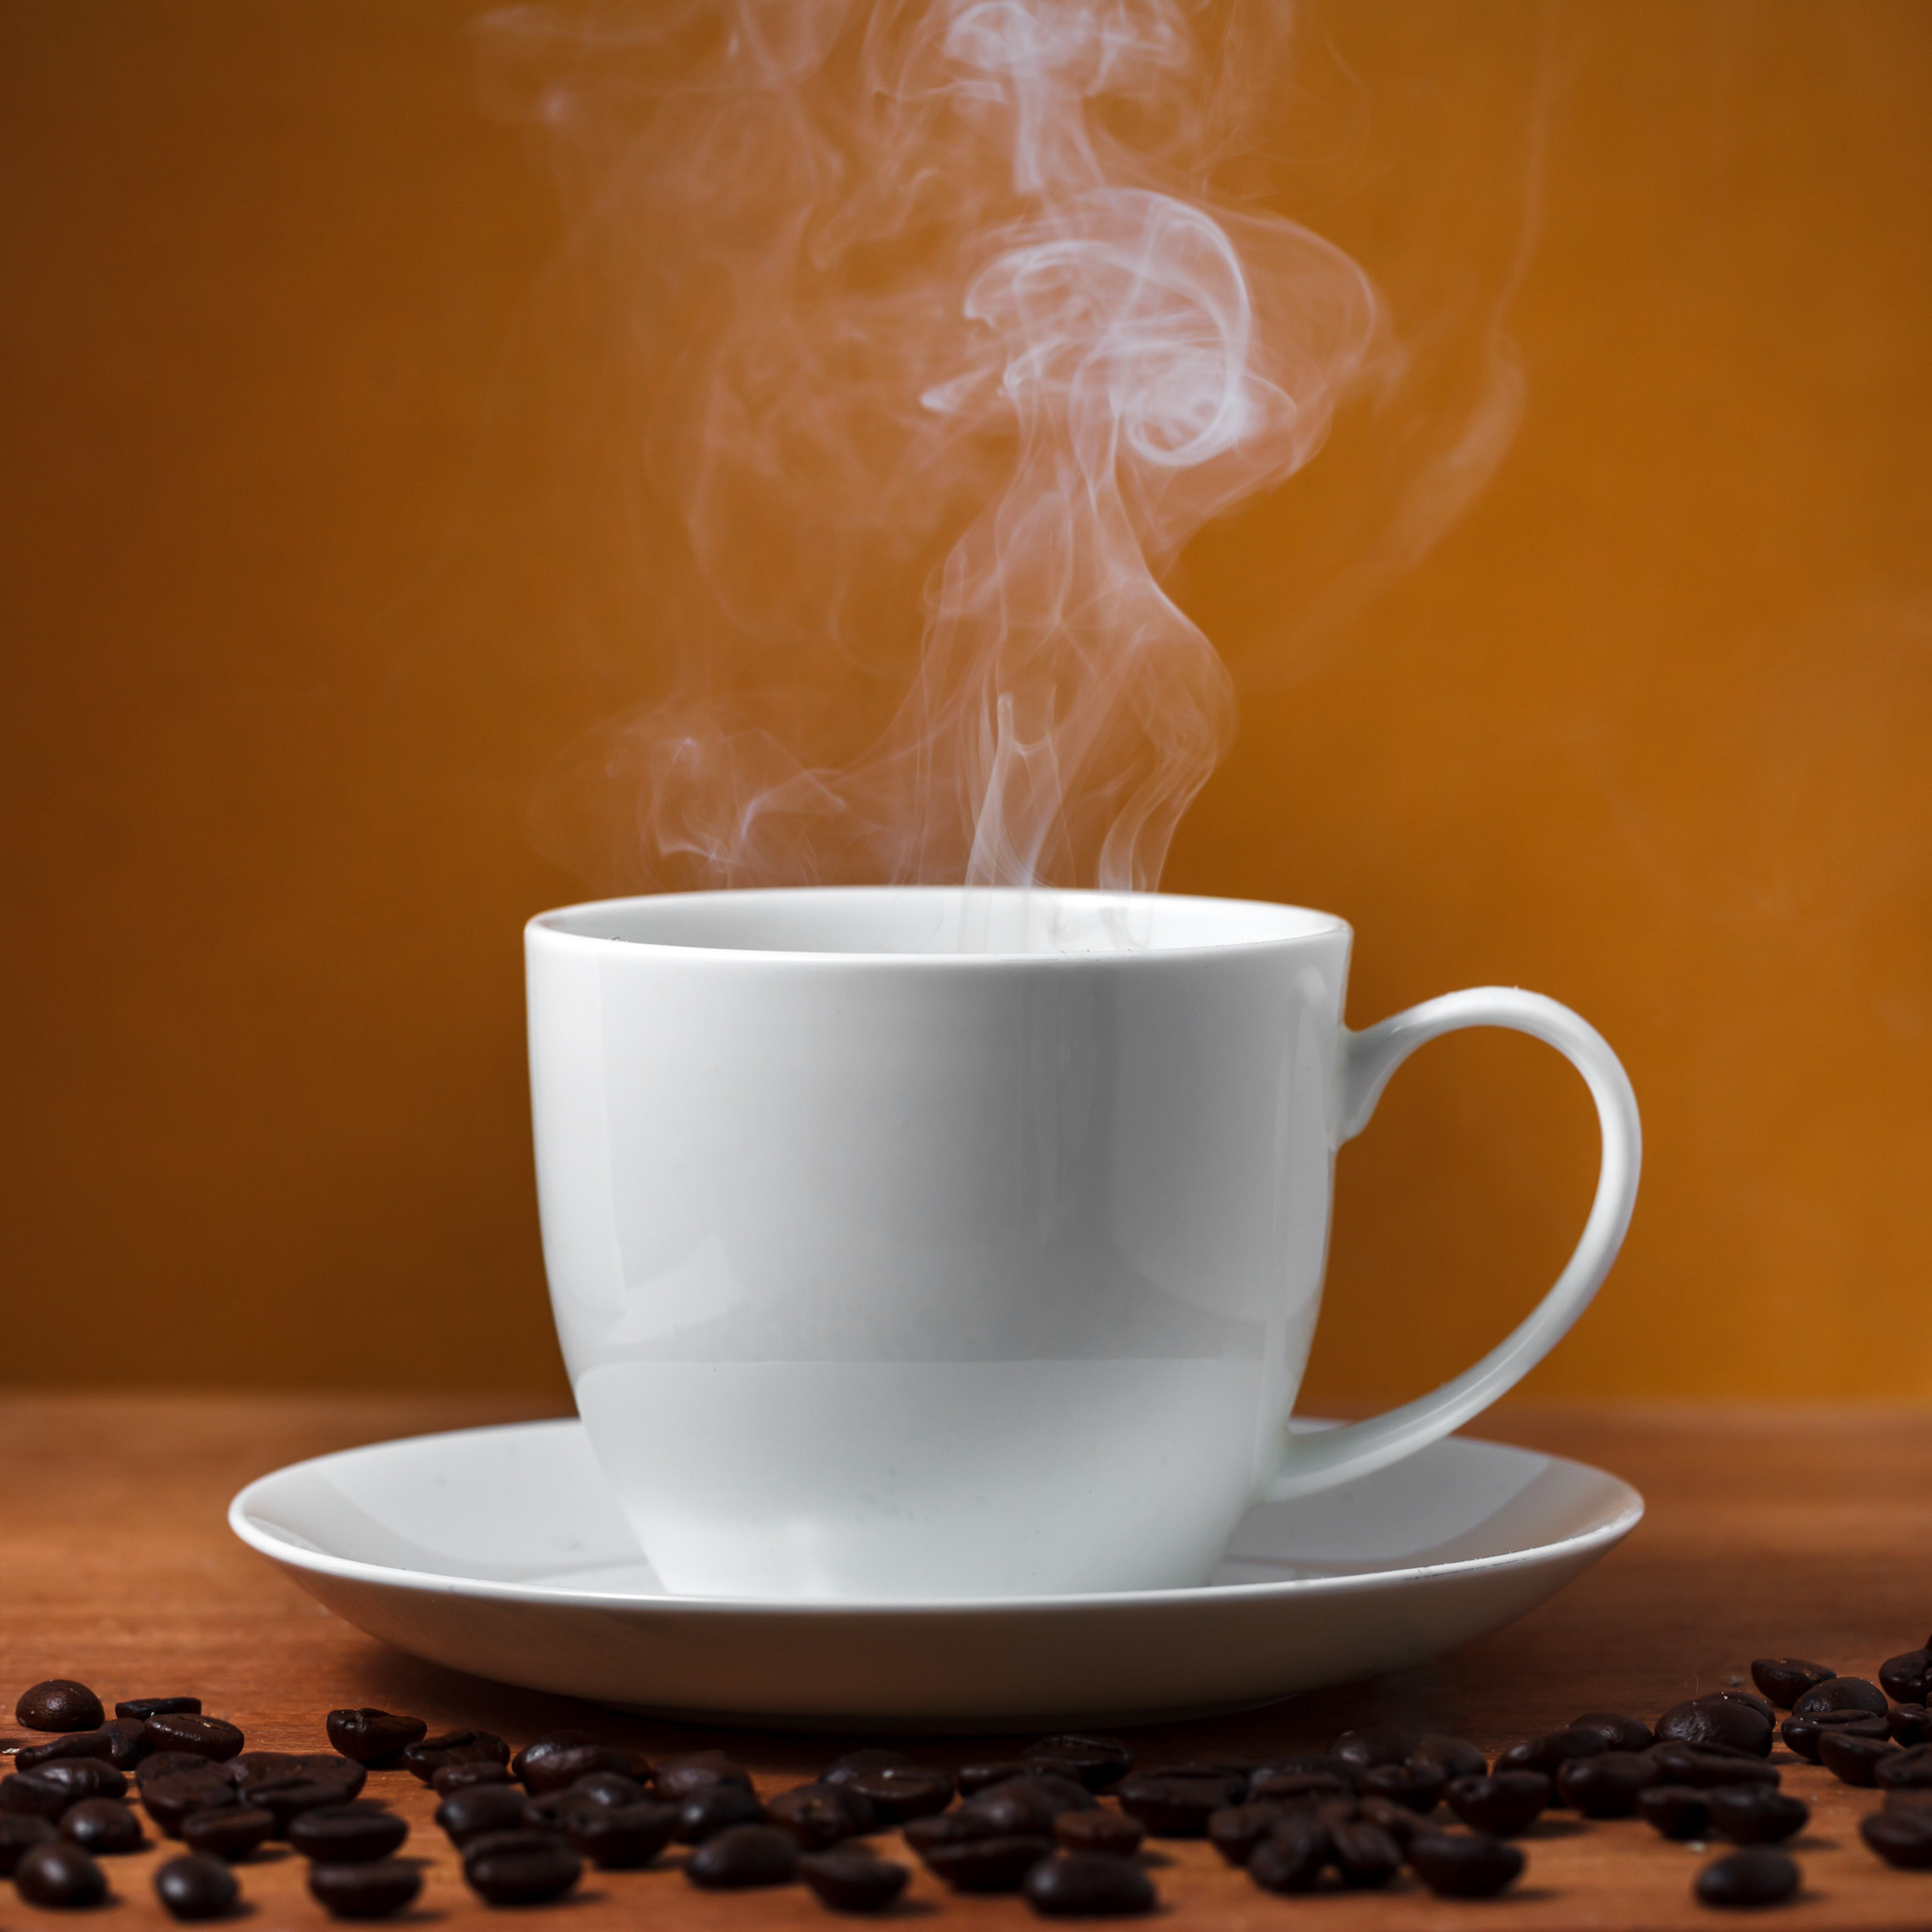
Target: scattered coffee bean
1364 1854
1088 1884
874 1758
744 1856
986 1865
971 1777
1907 1679
230 1832
1455 1757
348 1834
196 1886
187 1731
1804 1734
900 1792
677 1778
1911 1724
1111 1834
1097 1763
1178 1807
1747 1879
1501 1805
1854 1760
1401 1823
610 1789
370 1735
427 1756
1902 1838
459 1776
1364 1748
172 1764
170 1801
1903 1771
1754 1814
19 1831
1761 1705
1678 1811
1027 1806
1686 1764
141 1709
1607 1785
1459 1864
1418 1785
621 1837
1623 1733
1786 1679
253 1769
481 1808
717 1808
520 1867
377 1890
101 1825
1301 1789
60 1876
1290 1857
552 1763
819 1816
115 1748
1843 1693
853 1881
1552 1750
1235 1830
1279 1775
46 1793
288 1798
1717 1720
59 1704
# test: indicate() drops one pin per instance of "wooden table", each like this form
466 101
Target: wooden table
1799 1533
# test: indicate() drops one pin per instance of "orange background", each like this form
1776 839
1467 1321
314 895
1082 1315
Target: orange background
292 594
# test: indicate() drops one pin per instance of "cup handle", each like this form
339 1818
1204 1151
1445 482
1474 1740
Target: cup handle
1323 1458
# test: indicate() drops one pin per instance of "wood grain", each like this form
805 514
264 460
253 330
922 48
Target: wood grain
1802 1532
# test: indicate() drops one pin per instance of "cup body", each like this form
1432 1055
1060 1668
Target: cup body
914 1243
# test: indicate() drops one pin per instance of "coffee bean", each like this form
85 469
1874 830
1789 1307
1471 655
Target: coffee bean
460 1777
373 1737
1786 1679
19 1831
1401 1823
853 1881
1907 1679
1459 1865
1754 1814
480 1808
1088 1884
819 1816
971 1777
1715 1720
1805 1734
1025 1807
427 1756
987 1864
173 1764
1854 1760
1454 1757
1911 1724
1552 1749
196 1886
1365 1855
608 1790
1280 1776
1748 1878
169 1800
141 1709
854 1763
676 1779
1501 1805
1178 1807
101 1825
1608 1785
744 1856
1235 1830
187 1731
1097 1763
1622 1733
1902 1838
230 1832
954 1828
1904 1771
113 1748
348 1834
1678 1811
1762 1706
552 1763
1418 1785
48 1791
255 1768
519 1867
1843 1693
1302 1789
621 1837
379 1889
1290 1857
1711 1765
1364 1748
717 1808
1110 1835
59 1704
60 1876
288 1798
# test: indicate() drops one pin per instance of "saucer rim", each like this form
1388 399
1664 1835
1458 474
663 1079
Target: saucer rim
1595 1540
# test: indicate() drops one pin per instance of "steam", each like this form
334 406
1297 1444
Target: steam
942 345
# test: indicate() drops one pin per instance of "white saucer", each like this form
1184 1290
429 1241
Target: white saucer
499 1551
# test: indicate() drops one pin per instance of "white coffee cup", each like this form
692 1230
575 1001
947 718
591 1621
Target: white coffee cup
916 1243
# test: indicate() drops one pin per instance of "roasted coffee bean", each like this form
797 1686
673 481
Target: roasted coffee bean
1364 1854
174 1764
676 1779
230 1832
853 1881
621 1837
1110 1833
1623 1733
1022 1806
1178 1807
1805 1734
428 1755
1762 1706
481 1808
1911 1724
1786 1679
19 1829
60 1876
1843 1693
1302 1790
1554 1748
1280 1774
460 1777
900 1792
1290 1857
115 1748
196 1886
1454 1757
141 1709
971 1777
1717 1720
951 1827
519 1867
1097 1763
45 1793
124 1741
609 1788
854 1763
1902 1838
717 1808
1748 1878
348 1834
1904 1771
1907 1679
254 1769
288 1798
552 1763
1711 1765
1678 1811
1242 1769
101 1825
1501 1805
1418 1785
169 1800
1397 1820
1606 1787
1854 1760
1754 1814
59 1704
1085 1884
1462 1865
187 1731
819 1816
377 1890
1364 1748
1235 1830
372 1737
744 1856
986 1865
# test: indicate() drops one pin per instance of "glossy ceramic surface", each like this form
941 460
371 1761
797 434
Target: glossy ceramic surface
927 1243
501 1553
